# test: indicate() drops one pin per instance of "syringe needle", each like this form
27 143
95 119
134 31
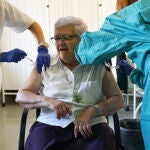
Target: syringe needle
29 59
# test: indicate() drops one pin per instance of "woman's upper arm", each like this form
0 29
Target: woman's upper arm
33 82
109 86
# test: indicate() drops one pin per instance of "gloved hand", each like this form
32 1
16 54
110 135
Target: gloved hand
125 67
14 55
43 58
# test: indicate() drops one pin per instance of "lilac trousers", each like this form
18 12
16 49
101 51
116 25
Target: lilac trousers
47 137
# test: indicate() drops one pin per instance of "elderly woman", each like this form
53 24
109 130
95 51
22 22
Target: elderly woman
75 98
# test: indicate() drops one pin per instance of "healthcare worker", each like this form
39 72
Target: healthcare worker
12 17
122 78
127 30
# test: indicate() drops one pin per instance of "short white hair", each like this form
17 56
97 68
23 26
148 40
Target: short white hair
80 26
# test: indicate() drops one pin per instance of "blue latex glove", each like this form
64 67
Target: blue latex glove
125 67
14 55
43 58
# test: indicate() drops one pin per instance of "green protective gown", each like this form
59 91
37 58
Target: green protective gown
127 30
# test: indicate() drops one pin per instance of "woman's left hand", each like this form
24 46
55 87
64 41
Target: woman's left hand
83 123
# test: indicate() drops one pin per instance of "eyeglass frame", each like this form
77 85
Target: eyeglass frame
63 38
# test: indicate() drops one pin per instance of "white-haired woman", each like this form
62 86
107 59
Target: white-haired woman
75 98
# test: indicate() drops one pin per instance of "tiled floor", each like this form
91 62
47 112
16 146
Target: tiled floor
10 120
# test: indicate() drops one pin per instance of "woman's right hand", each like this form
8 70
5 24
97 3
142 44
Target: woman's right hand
61 108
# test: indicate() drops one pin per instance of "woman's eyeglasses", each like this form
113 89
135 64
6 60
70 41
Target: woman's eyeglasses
64 38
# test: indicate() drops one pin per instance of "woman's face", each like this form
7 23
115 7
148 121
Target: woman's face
66 40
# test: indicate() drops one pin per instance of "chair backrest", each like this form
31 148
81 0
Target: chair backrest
23 128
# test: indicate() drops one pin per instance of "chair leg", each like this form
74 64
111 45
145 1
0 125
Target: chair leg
117 132
22 129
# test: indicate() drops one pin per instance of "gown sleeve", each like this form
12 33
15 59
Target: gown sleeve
137 77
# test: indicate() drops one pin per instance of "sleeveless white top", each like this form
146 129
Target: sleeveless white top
61 83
